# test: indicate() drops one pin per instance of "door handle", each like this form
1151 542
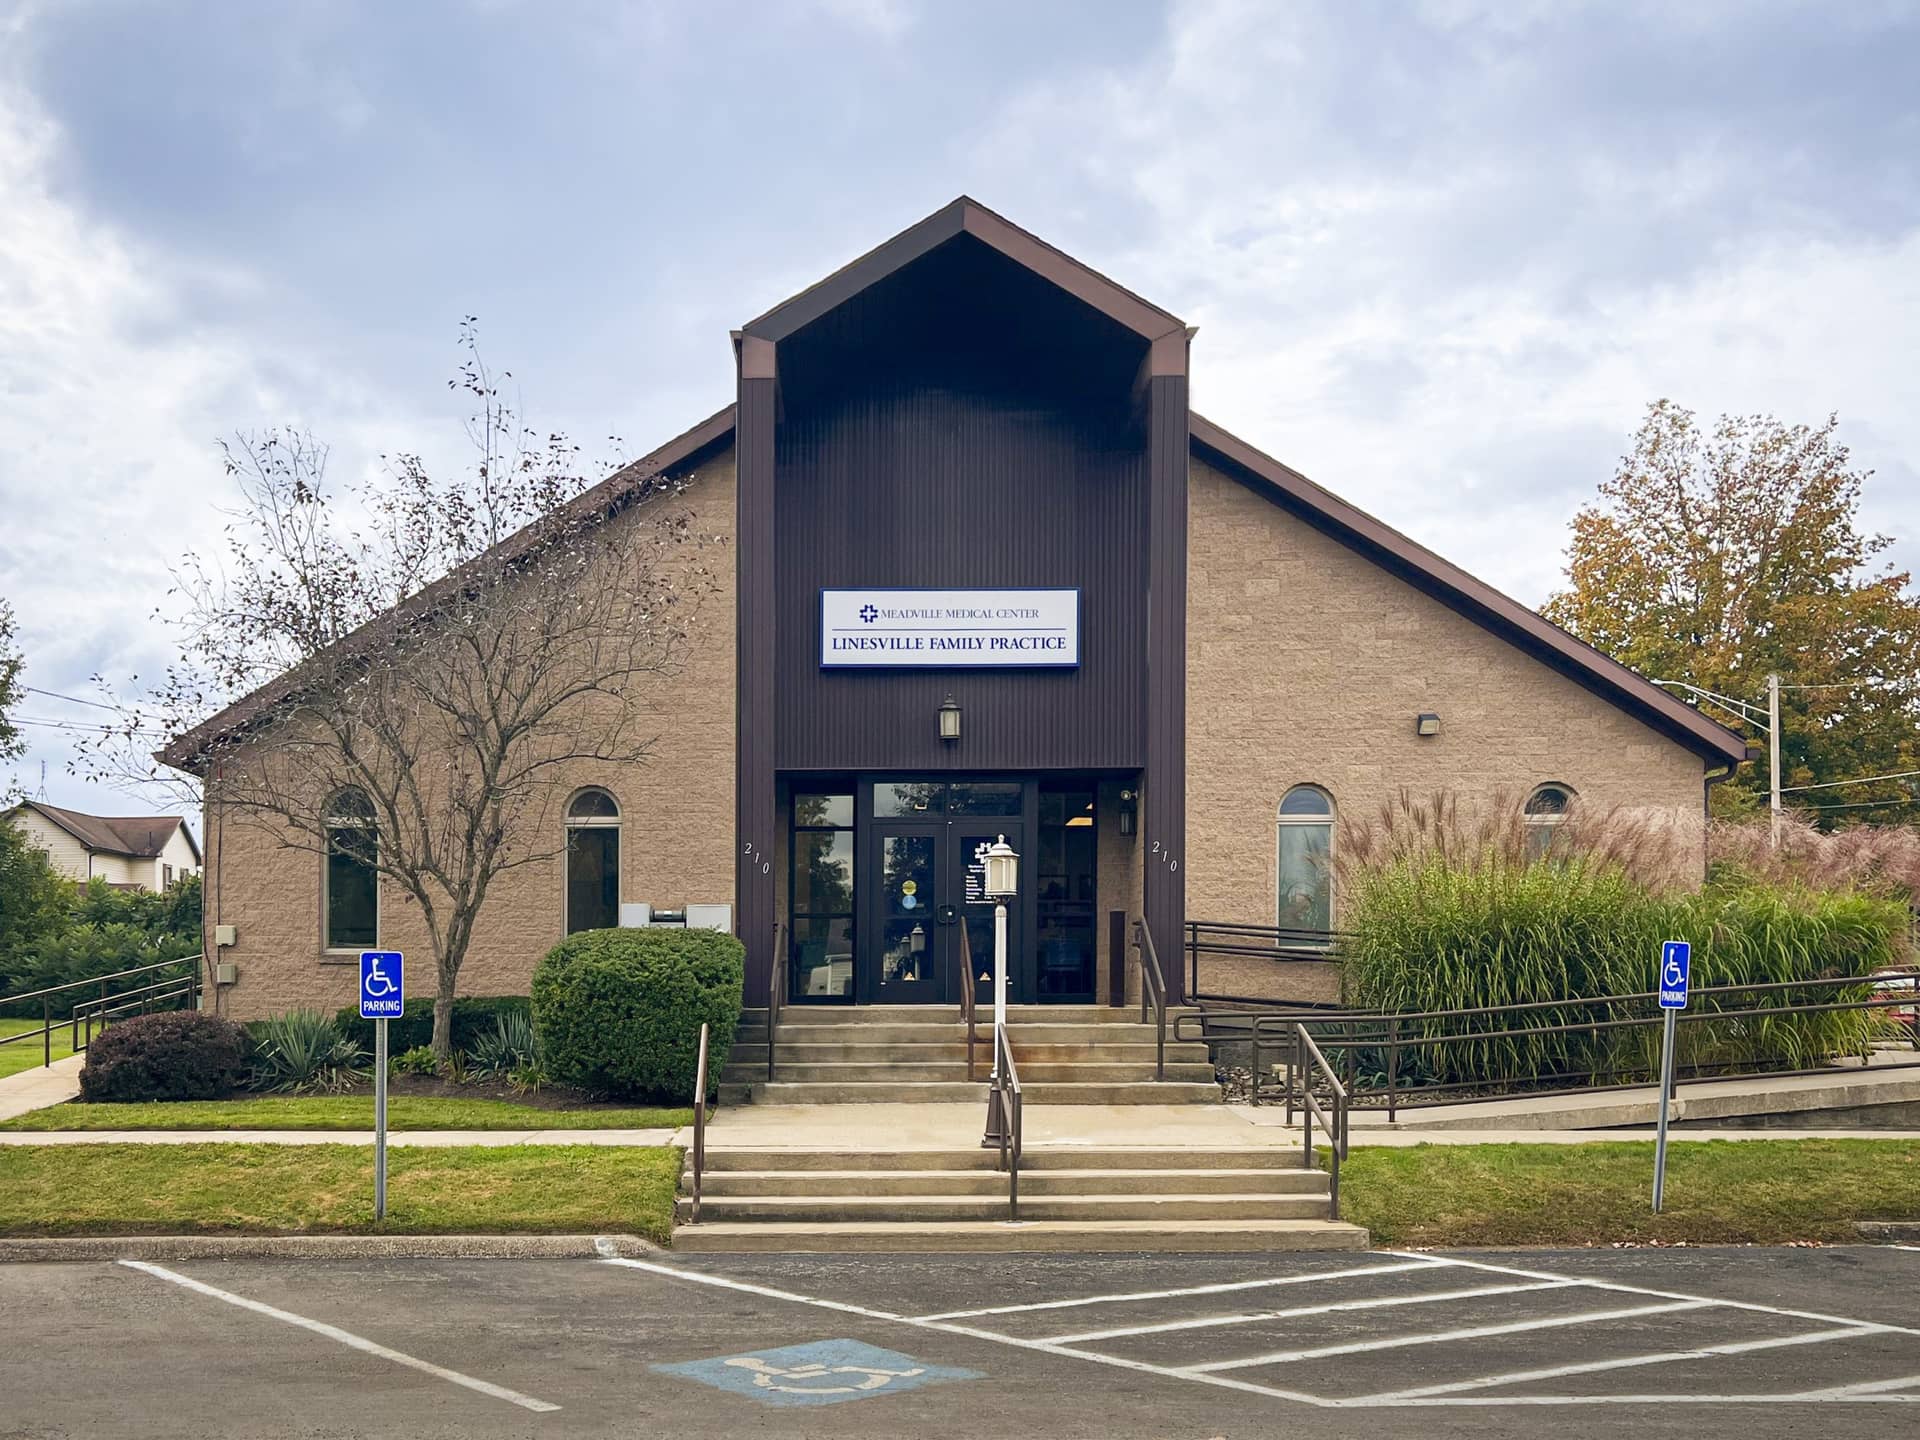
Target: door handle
945 915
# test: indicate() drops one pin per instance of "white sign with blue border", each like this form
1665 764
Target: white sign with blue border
383 985
949 629
1676 964
826 1372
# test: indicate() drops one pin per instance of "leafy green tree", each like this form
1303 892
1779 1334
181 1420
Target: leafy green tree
1718 557
12 747
34 902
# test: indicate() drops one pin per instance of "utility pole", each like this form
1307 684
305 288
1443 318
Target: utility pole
1773 759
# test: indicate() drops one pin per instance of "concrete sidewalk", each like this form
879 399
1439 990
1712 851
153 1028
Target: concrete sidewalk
40 1087
885 1128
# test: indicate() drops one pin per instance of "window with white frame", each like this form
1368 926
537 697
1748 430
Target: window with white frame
1305 860
352 879
1546 811
593 861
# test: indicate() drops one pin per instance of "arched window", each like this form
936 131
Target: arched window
1305 852
1546 812
593 861
352 882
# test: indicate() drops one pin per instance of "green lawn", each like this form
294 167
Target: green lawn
1765 1192
26 1054
341 1112
317 1189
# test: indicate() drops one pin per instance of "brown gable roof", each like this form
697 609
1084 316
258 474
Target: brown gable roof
139 837
1473 598
188 751
967 216
1380 543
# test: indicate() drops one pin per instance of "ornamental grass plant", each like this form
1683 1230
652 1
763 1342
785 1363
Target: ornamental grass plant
1445 910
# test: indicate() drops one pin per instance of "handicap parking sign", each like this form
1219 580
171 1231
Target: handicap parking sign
1676 961
826 1372
383 985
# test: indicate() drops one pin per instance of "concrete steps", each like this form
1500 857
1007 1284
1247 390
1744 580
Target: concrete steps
1066 1055
1086 1198
1000 1236
938 1092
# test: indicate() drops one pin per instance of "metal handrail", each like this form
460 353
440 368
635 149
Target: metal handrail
699 1123
1153 985
180 985
1007 1100
1398 1032
969 1002
1309 1061
776 990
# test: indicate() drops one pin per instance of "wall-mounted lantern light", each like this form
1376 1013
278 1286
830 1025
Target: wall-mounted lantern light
1129 803
949 720
1428 724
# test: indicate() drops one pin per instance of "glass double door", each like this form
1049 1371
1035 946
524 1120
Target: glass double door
927 921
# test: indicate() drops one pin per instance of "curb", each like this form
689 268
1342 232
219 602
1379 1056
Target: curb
1903 1231
322 1247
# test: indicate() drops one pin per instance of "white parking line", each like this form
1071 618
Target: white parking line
1419 1262
1592 1367
1444 1337
1624 1289
1375 1302
1872 1392
344 1337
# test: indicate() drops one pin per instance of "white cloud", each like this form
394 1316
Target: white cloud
111 400
1449 300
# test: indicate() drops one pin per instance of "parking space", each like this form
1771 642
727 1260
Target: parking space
1368 1345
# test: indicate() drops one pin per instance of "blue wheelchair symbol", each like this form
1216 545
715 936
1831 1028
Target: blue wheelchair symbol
383 985
1676 963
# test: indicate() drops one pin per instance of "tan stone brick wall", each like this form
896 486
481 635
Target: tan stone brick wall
1307 663
676 837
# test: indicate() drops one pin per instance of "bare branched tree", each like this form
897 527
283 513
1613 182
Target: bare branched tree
428 655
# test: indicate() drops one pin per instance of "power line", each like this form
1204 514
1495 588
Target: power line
1864 804
70 699
1863 780
81 726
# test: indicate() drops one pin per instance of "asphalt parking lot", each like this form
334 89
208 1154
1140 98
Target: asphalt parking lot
1704 1343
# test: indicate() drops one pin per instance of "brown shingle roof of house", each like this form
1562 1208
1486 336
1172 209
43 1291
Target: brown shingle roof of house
140 837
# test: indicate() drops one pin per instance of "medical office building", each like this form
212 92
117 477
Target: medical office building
990 574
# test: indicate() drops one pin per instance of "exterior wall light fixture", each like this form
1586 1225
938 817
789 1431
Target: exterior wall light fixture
1129 809
949 720
1428 724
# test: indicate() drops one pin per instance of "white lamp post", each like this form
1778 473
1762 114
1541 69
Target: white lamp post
1002 882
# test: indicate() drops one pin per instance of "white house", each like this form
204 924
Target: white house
136 852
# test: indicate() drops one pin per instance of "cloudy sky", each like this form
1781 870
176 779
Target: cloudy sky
1441 255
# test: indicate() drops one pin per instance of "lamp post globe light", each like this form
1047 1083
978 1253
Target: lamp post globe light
1001 884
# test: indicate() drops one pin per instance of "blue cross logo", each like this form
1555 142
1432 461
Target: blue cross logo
869 614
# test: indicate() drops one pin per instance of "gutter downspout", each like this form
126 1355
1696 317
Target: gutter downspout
1713 777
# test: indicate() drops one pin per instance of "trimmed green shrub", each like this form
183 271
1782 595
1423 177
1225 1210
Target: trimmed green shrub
619 1011
176 1055
473 1016
303 1053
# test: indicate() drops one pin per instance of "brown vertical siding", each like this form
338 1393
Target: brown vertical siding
1164 815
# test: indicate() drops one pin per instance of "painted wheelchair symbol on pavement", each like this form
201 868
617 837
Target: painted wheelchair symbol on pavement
804 1379
826 1372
